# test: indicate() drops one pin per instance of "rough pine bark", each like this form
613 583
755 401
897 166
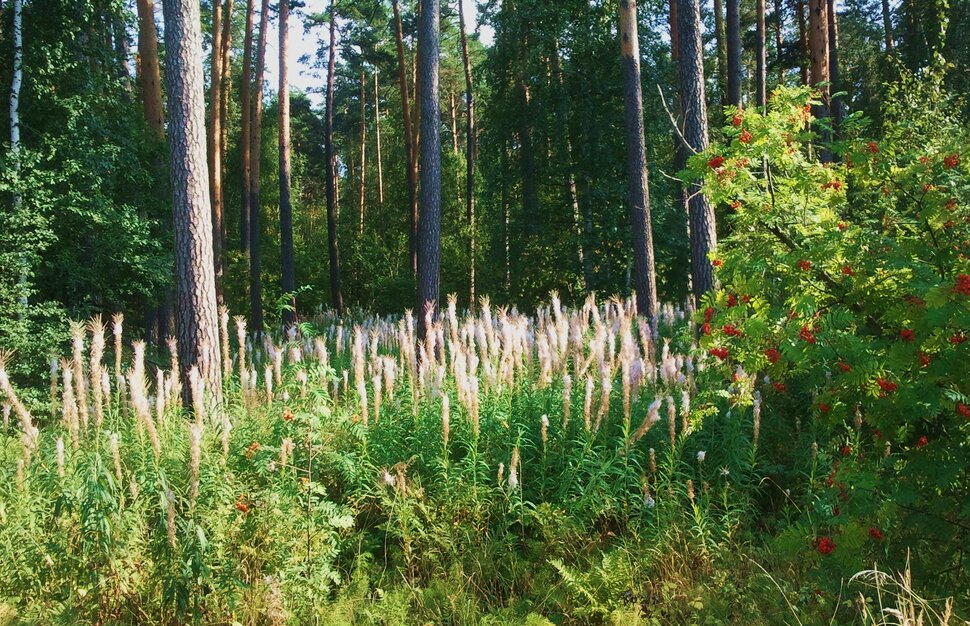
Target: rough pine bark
287 261
470 151
762 56
197 313
734 52
818 47
412 162
245 115
255 208
336 296
429 227
149 74
703 235
639 193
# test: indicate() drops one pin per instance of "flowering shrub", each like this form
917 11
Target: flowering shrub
847 285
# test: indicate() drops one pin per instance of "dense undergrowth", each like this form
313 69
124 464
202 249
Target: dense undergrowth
760 461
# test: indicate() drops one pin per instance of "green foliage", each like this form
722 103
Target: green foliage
845 301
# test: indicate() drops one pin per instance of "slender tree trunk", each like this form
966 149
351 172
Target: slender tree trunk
722 54
833 41
887 25
149 75
680 152
226 78
734 52
121 43
215 142
255 232
363 148
639 193
287 261
429 247
198 326
527 161
453 113
15 86
703 235
245 138
336 297
779 41
377 132
802 40
412 163
470 152
762 54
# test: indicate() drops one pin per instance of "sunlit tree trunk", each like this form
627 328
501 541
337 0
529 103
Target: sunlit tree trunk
470 151
833 41
639 193
336 296
287 261
255 205
363 148
15 86
429 227
703 235
721 44
225 57
198 323
818 46
377 133
215 141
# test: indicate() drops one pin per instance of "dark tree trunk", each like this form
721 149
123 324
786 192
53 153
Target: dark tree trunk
762 56
287 262
198 321
409 148
779 41
246 132
527 161
887 25
469 154
802 40
255 258
734 52
639 193
429 227
703 235
336 296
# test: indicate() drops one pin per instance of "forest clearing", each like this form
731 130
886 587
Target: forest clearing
485 312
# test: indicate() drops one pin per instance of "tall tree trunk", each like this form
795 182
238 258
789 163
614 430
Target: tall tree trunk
336 297
255 232
198 322
287 261
887 25
245 138
411 154
149 74
470 151
453 113
215 142
722 55
377 133
680 151
15 85
762 54
429 247
734 52
527 160
802 40
639 193
833 41
225 57
363 148
779 41
703 235
818 45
